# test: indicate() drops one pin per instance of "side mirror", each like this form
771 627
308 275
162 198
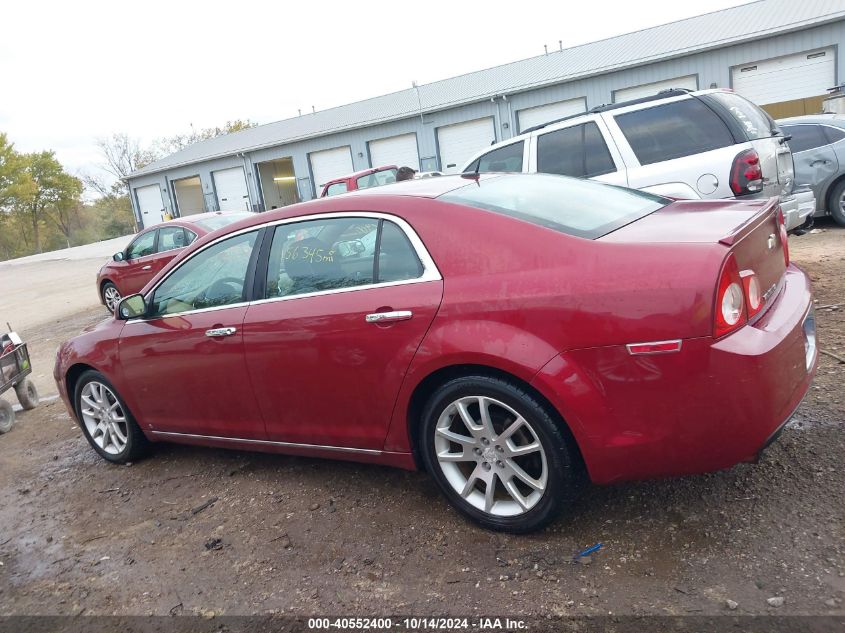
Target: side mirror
118 257
132 307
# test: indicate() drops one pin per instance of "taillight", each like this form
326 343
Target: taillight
753 296
730 301
746 174
784 238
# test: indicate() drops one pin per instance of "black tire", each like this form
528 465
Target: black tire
137 445
27 394
836 200
105 291
7 416
564 479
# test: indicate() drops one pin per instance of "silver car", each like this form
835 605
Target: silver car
818 152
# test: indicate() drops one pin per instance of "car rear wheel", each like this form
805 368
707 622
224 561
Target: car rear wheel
837 203
106 421
111 296
7 416
497 454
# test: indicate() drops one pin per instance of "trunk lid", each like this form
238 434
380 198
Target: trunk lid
748 229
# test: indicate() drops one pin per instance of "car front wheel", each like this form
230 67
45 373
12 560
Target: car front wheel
106 421
497 454
111 296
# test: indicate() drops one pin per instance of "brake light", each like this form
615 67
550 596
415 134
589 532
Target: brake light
746 174
753 296
784 238
730 300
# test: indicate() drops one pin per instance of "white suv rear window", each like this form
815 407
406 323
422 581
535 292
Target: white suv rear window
672 130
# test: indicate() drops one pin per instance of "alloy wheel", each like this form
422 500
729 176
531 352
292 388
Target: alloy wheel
491 456
104 418
112 297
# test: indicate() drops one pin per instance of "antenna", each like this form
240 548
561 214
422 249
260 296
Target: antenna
546 48
300 111
560 43
313 110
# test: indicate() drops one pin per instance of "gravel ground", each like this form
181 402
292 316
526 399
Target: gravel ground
205 531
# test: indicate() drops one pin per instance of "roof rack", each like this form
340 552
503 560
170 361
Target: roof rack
663 94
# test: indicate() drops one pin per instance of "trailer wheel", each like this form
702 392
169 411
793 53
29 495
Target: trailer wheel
7 416
27 394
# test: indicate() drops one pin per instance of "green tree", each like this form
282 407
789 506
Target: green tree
43 185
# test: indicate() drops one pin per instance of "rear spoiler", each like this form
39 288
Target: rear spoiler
751 223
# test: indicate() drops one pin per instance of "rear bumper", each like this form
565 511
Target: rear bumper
710 406
797 207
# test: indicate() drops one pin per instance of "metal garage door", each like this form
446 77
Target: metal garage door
150 205
232 193
529 117
690 82
456 143
396 150
329 164
807 74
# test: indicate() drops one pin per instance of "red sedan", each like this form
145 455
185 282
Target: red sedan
364 179
513 335
149 251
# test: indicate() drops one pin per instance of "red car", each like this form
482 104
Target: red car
364 179
514 335
150 250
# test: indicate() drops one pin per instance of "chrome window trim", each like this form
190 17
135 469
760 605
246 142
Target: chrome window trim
430 270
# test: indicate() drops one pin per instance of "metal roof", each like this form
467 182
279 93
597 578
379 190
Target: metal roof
712 30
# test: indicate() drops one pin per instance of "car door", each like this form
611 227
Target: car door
183 363
140 262
813 155
346 301
581 150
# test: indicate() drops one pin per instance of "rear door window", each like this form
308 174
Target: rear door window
170 237
507 159
834 134
336 188
383 177
805 137
578 151
673 130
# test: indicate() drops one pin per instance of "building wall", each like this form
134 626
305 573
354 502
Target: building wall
713 68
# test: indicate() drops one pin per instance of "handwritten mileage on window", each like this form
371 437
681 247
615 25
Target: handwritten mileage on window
311 255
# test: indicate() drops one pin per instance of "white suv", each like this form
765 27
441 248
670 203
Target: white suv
703 144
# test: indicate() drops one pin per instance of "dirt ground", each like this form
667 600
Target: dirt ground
196 530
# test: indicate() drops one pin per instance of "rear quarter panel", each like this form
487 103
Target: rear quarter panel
516 295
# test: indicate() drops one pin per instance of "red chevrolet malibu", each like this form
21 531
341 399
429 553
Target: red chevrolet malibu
130 269
514 335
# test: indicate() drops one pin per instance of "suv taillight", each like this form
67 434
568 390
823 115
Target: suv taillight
746 174
730 300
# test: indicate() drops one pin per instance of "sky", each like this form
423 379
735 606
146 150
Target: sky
72 72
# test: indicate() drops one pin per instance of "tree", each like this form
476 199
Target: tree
64 212
10 171
171 144
43 185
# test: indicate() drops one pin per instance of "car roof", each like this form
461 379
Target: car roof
829 118
358 174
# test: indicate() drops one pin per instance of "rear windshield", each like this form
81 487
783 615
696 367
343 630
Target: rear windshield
576 207
752 119
219 221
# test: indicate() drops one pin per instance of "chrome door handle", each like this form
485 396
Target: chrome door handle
147 267
221 331
383 317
